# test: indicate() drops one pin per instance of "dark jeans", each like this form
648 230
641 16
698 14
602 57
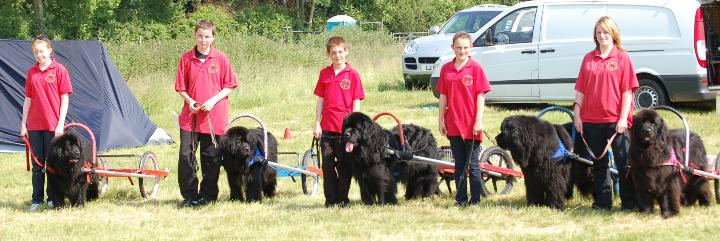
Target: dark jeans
40 142
336 171
597 136
187 166
461 149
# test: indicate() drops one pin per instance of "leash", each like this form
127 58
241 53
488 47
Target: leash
29 152
196 105
605 151
316 145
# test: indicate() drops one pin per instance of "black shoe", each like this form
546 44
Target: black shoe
203 201
601 208
187 203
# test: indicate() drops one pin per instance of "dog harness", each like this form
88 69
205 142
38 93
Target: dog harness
257 157
561 152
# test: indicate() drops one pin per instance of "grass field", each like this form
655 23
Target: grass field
276 84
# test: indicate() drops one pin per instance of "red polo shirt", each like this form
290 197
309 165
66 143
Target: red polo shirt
202 81
602 82
461 88
338 93
44 89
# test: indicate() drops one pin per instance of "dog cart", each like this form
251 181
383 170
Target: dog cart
147 172
308 168
495 163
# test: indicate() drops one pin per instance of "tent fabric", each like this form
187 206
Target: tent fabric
100 98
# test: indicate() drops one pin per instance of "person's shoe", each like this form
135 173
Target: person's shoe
203 201
50 204
187 203
34 207
596 207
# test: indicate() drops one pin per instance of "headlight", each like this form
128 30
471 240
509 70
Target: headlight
410 48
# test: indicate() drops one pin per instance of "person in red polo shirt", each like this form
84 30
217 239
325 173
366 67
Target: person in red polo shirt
603 103
462 88
339 91
204 80
47 90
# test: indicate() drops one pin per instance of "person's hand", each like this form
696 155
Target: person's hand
317 131
23 130
442 128
194 107
477 128
59 130
209 104
578 124
621 125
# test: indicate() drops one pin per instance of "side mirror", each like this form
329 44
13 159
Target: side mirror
434 30
488 37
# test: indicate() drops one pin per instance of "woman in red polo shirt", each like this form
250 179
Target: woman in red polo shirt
47 88
603 103
462 88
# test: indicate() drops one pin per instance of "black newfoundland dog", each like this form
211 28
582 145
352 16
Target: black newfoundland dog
655 176
534 144
69 153
421 180
365 145
242 152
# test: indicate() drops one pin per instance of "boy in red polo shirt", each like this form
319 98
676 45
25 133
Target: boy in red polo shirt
462 88
339 92
204 80
603 103
47 90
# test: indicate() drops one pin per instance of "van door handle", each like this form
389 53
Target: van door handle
528 51
547 51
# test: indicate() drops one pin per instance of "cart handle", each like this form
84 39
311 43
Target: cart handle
687 128
400 129
92 138
262 125
562 109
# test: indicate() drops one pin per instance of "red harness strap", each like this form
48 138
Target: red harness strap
675 162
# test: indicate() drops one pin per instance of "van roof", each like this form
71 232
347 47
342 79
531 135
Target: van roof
485 7
644 2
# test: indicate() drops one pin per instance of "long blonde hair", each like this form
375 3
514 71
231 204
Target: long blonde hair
609 25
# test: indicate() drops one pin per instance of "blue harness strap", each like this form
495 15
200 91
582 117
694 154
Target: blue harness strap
257 157
560 152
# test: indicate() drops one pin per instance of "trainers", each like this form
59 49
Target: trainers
34 207
50 204
203 201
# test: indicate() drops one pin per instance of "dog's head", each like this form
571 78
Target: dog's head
357 130
239 143
649 129
68 150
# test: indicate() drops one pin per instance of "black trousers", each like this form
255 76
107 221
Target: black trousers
40 142
597 136
187 166
337 173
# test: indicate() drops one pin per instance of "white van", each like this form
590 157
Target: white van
532 52
421 53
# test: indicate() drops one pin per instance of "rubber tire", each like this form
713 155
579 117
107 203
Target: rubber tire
304 178
649 91
141 181
506 162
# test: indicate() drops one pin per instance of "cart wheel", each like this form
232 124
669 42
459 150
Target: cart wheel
103 179
310 184
717 182
148 156
496 156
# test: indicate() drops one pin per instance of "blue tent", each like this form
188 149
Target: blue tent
100 98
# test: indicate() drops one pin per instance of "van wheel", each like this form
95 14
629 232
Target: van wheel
649 94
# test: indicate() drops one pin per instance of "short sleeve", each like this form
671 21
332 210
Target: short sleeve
320 87
441 85
359 91
482 85
629 79
64 84
28 85
581 82
229 81
181 76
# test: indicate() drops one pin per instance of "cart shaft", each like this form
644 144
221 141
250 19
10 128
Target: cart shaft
108 173
298 170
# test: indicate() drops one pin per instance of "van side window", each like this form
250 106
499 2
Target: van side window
516 27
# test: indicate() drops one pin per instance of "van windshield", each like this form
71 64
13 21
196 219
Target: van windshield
468 21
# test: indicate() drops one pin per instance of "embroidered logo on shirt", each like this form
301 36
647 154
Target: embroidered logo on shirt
213 68
345 84
50 77
612 65
467 80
